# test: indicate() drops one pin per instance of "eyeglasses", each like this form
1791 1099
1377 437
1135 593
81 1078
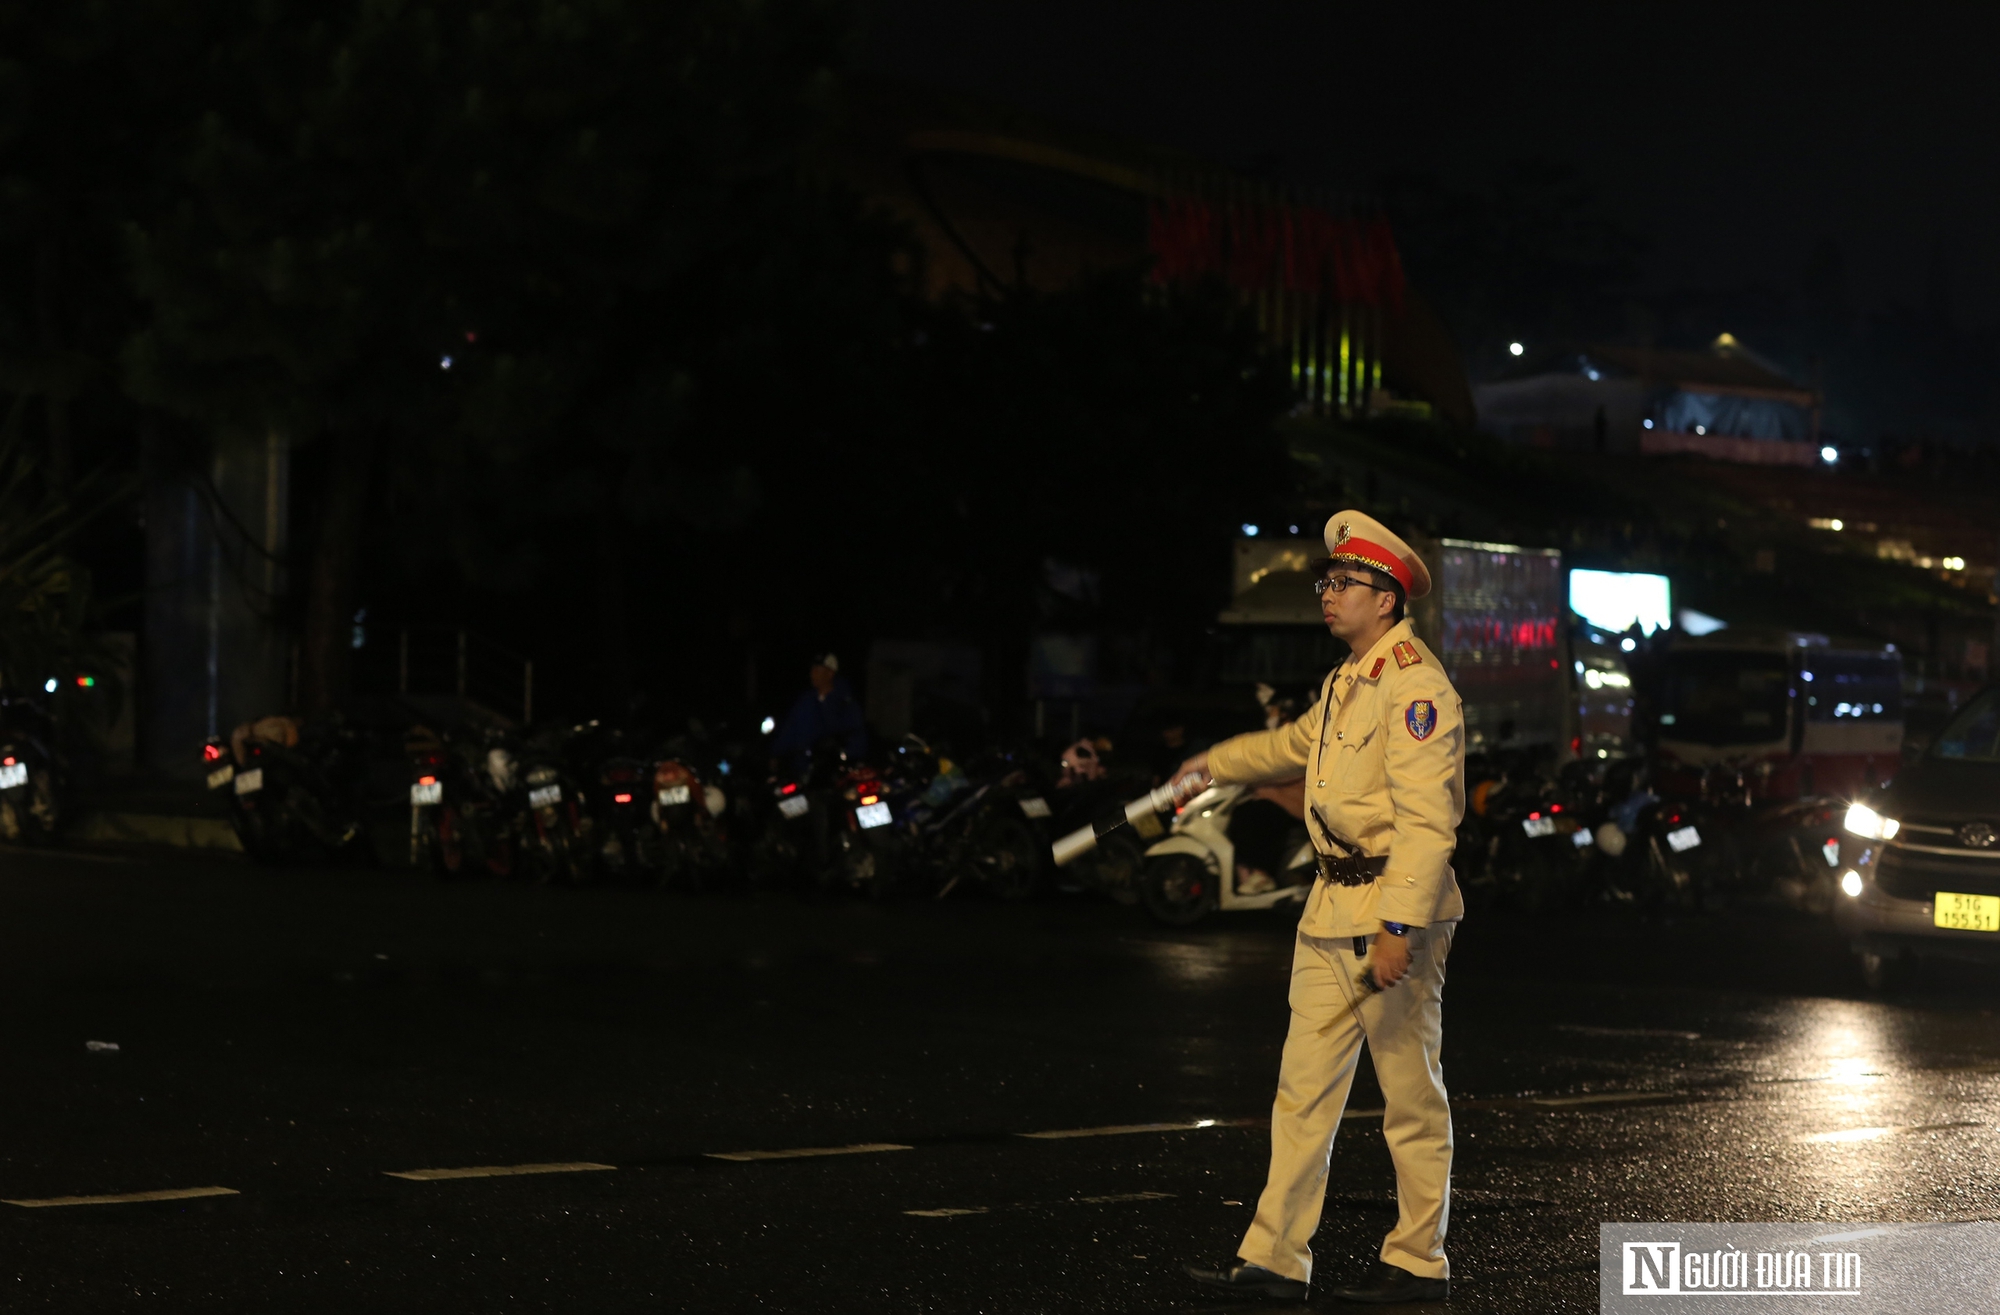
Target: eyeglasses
1340 584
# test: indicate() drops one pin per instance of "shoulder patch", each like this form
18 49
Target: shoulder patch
1376 670
1422 718
1406 654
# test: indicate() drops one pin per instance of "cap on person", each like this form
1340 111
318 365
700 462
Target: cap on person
1364 541
830 661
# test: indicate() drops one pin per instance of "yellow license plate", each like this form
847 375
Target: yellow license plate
1966 912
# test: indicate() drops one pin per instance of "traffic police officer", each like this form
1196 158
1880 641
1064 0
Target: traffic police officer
1384 760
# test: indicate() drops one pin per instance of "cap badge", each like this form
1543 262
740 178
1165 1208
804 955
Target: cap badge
1340 535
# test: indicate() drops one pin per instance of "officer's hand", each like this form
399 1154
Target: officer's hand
1197 767
1389 959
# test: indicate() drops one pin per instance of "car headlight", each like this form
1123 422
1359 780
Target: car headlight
1866 822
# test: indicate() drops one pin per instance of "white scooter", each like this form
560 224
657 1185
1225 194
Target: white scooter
1195 870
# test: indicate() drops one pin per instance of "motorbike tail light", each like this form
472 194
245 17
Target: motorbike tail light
869 798
791 787
621 799
209 753
1555 808
427 780
1535 817
8 761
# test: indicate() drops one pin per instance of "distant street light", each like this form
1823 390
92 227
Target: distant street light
1830 454
1514 349
1250 531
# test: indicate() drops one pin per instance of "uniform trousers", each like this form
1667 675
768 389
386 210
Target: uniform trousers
1331 1017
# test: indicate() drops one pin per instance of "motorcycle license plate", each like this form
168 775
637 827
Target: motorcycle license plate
250 782
1539 826
420 793
675 794
795 806
13 774
1684 839
542 798
1035 807
1581 838
1831 852
216 779
872 815
1966 912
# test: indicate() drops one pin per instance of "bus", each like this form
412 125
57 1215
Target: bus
1798 715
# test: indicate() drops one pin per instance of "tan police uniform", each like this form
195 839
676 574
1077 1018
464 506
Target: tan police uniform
1383 754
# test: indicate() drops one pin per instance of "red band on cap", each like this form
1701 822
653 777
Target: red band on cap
1375 555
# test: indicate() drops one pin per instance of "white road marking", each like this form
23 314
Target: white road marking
1601 1098
1122 1129
496 1171
1875 1134
1118 1199
126 1198
864 1148
1583 1029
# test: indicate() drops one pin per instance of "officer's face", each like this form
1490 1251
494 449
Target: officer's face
1352 612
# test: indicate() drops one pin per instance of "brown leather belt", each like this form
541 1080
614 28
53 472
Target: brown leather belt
1355 871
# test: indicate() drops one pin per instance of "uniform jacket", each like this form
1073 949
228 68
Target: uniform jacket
1383 752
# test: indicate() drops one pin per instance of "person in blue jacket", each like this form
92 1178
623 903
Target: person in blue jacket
826 711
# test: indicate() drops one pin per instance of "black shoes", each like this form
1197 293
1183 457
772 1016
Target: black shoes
1390 1285
1248 1280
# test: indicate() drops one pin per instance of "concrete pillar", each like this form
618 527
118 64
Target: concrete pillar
216 651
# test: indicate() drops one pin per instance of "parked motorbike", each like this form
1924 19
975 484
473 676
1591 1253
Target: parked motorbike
555 829
899 820
976 828
462 804
869 852
627 839
31 775
1525 839
1650 853
689 820
292 787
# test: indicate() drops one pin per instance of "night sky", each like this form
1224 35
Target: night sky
1733 140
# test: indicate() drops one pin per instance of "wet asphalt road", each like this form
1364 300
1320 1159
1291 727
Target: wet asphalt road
298 1037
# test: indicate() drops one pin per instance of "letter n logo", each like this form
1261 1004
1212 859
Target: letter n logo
1652 1267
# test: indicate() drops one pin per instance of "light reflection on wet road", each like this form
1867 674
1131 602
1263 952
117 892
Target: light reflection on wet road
874 1080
